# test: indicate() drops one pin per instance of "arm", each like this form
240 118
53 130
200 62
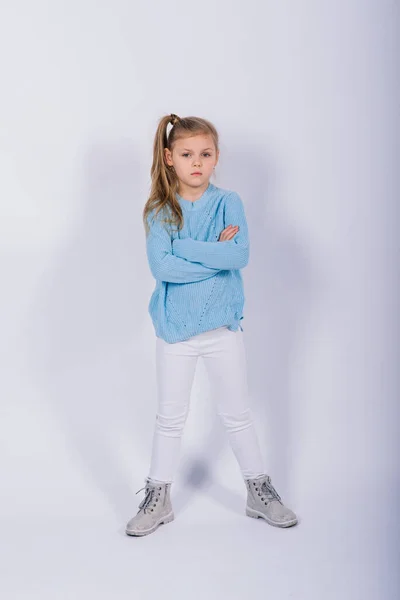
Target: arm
232 254
167 267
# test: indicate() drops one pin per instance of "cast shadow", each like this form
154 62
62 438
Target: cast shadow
85 335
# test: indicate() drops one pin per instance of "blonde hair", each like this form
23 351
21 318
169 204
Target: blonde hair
164 181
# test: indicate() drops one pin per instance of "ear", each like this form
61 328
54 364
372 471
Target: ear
168 157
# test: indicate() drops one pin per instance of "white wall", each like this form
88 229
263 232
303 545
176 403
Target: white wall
305 97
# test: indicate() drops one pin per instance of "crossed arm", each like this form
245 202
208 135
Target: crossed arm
188 260
167 267
232 254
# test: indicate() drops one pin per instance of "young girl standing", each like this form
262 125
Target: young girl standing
197 242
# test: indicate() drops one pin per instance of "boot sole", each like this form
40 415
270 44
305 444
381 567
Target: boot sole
162 521
250 512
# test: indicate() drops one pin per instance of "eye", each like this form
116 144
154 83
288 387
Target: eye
185 154
207 154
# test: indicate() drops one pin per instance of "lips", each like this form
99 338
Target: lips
197 173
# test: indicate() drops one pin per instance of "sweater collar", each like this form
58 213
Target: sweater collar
199 203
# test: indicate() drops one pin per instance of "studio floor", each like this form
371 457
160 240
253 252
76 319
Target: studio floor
210 551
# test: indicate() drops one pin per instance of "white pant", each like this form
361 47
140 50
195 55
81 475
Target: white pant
223 352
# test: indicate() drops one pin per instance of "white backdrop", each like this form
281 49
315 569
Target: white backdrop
305 97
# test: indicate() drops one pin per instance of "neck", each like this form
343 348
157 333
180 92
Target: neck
192 194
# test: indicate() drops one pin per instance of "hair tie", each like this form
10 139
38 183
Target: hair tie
174 119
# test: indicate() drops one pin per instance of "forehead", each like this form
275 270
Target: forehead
200 141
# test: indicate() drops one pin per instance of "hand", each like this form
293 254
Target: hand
228 233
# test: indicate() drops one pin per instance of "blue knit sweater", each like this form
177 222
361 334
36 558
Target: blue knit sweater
198 282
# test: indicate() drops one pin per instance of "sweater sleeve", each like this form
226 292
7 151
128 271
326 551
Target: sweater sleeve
164 265
231 254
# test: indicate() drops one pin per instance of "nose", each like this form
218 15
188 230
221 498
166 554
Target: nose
196 162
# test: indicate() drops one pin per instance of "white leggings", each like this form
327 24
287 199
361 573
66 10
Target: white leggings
223 352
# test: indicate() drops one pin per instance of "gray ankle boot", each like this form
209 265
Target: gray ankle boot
263 501
154 510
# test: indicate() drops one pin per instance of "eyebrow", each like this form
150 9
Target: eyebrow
190 150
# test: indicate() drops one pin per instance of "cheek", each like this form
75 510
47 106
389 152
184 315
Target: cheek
210 163
179 166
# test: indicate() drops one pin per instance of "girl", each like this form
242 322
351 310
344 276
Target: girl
197 242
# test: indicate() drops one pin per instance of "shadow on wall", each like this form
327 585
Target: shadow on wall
281 291
86 334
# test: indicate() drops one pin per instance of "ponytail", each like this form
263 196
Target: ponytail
164 181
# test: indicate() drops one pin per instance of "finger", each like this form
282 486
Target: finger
230 228
228 233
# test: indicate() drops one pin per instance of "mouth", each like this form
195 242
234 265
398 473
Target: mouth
197 173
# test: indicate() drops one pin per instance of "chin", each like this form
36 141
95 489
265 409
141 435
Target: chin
196 181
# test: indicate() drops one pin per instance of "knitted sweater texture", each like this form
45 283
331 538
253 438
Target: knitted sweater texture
199 285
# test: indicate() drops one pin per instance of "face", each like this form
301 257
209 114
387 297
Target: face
193 159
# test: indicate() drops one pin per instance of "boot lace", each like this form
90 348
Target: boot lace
148 499
269 491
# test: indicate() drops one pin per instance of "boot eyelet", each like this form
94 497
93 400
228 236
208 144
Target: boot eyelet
159 488
262 499
151 510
